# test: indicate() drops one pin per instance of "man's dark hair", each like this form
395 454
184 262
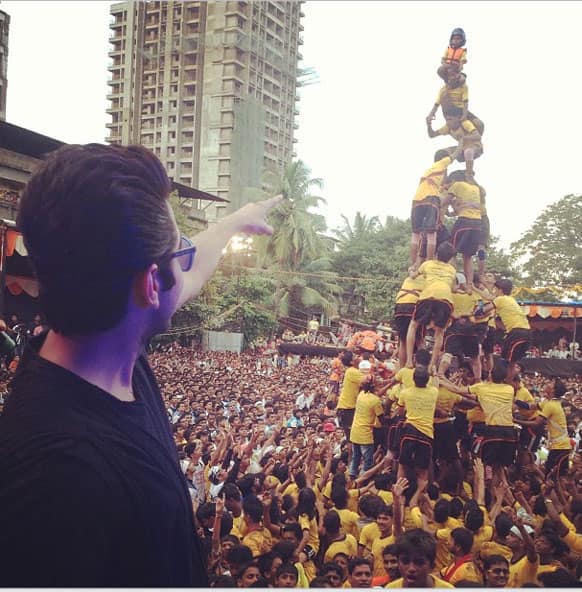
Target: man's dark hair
463 538
346 358
503 524
92 217
422 357
189 449
356 562
442 511
499 372
287 568
231 492
330 566
319 582
295 529
421 377
474 519
390 549
331 522
253 508
417 542
284 549
559 388
240 555
559 578
505 285
445 252
440 154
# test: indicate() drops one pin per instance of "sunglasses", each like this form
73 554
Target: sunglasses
185 254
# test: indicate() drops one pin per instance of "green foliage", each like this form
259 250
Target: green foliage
551 246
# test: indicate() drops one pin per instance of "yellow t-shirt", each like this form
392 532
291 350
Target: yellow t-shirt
464 304
443 555
440 278
349 522
432 179
446 401
239 526
311 526
522 572
475 415
350 389
347 545
378 547
467 202
420 404
368 409
405 376
485 533
496 400
457 96
438 583
523 394
489 548
574 541
557 426
368 534
467 571
258 541
386 496
510 313
410 290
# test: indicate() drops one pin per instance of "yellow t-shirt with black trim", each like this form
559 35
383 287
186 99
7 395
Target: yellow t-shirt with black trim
496 400
510 313
350 388
446 401
557 427
347 545
420 404
410 290
432 180
440 278
457 96
378 547
368 409
467 203
310 525
464 304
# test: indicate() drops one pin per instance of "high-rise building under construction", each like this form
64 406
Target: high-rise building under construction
210 87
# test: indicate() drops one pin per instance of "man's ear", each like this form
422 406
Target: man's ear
146 287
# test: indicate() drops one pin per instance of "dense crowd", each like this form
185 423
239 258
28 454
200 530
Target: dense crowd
281 500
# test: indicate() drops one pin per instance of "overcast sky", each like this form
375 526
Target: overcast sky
362 128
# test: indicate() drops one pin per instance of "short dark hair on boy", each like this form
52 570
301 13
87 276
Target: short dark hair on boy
287 568
92 217
505 285
422 357
421 377
464 538
417 542
499 372
445 252
356 562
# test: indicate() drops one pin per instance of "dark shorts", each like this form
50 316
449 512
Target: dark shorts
415 448
529 439
492 338
442 236
380 438
476 433
425 214
334 387
346 418
466 235
515 344
437 311
485 230
401 319
499 446
394 429
461 425
461 339
445 441
558 458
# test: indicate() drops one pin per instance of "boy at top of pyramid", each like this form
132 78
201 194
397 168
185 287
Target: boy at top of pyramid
455 92
455 56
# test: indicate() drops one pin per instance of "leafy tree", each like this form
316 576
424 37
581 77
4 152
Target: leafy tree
552 245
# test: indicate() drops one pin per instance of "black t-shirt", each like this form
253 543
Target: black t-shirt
91 491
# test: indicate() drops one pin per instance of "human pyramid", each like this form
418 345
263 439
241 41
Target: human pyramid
460 307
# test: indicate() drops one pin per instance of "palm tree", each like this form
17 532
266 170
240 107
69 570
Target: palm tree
297 246
361 228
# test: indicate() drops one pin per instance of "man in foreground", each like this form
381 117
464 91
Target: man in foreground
91 489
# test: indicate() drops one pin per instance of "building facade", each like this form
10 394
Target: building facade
210 87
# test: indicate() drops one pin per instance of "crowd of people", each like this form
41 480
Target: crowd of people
293 488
